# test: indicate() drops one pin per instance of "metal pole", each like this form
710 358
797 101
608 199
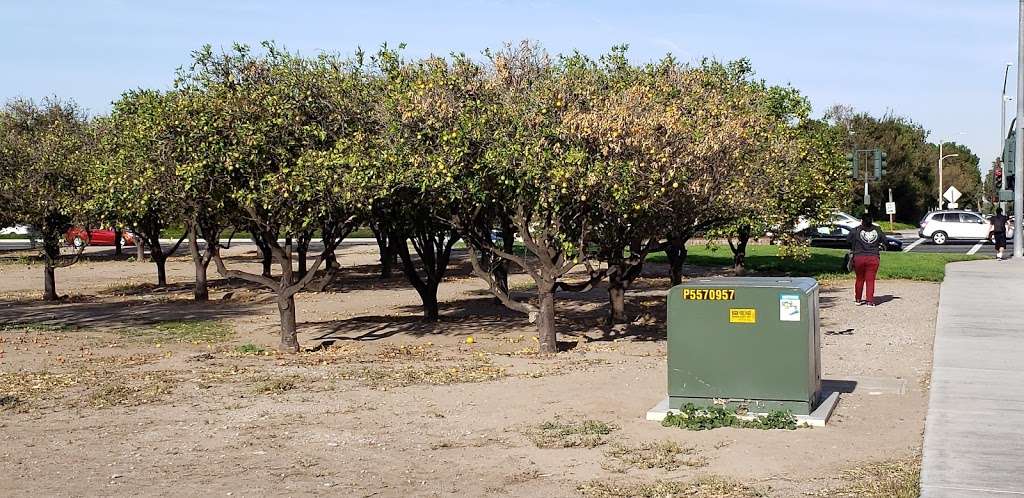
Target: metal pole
940 171
1018 185
1002 135
891 216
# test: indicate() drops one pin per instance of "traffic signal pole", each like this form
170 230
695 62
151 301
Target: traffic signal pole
1002 134
1018 187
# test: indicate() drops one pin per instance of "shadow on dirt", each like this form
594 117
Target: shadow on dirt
112 315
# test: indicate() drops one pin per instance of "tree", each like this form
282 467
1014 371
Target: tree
513 162
281 128
45 149
433 122
800 174
135 182
912 162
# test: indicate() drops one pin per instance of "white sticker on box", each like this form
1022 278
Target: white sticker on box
789 307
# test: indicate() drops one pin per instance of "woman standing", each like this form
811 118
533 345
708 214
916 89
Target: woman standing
866 242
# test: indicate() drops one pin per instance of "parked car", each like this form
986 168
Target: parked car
835 236
16 230
946 225
80 237
837 218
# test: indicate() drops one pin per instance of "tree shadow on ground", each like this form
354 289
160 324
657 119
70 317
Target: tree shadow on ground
147 288
481 314
112 315
462 317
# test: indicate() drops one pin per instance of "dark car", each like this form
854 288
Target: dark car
835 236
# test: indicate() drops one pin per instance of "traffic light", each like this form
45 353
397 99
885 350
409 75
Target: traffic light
851 161
997 174
880 163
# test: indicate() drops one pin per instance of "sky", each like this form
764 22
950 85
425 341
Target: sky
937 62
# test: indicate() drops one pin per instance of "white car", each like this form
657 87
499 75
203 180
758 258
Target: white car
837 218
943 226
16 230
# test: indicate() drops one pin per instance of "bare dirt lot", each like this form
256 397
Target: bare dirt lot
123 389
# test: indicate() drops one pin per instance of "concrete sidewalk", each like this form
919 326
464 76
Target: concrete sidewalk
974 433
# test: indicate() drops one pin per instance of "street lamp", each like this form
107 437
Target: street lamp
942 158
1002 132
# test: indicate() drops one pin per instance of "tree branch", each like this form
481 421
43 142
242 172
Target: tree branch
505 298
249 277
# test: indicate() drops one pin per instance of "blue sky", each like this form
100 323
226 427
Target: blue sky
939 62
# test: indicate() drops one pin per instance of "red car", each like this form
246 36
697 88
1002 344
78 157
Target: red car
79 237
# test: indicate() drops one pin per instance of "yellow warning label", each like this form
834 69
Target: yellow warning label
742 315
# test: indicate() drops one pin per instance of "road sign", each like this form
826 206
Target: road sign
890 208
952 205
952 194
1005 196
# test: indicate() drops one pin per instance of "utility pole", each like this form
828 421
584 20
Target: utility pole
1018 185
1002 134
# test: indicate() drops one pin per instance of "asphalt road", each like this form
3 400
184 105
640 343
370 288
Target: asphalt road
979 247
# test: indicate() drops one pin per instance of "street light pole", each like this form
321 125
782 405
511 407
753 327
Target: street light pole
942 158
1018 186
1002 134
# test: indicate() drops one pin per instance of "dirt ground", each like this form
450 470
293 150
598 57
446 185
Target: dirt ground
123 389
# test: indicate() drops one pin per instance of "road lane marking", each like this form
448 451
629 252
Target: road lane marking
913 245
976 247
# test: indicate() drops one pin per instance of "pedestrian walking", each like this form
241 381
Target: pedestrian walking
997 231
865 244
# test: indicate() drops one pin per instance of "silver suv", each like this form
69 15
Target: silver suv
942 226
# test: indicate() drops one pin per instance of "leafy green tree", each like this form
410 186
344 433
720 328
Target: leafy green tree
135 182
279 137
515 163
434 123
46 151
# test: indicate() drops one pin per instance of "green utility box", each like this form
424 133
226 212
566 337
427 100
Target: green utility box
745 342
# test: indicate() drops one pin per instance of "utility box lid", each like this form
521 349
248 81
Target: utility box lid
804 284
750 342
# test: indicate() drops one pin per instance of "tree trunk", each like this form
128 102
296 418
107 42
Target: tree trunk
676 252
266 258
434 259
161 272
302 249
431 310
739 257
51 250
508 240
546 333
140 248
289 335
388 251
387 260
118 239
50 283
201 291
616 295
